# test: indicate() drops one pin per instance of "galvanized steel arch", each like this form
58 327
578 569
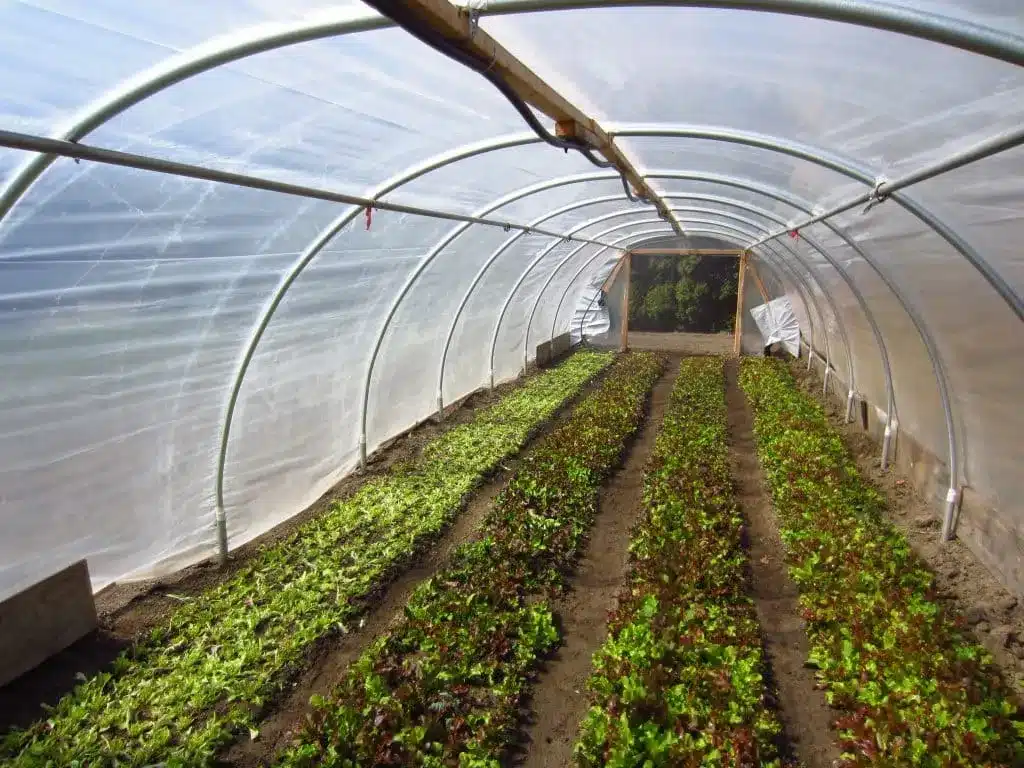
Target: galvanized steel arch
724 200
839 321
493 257
920 325
727 228
858 296
528 270
847 167
803 288
425 262
590 260
844 337
234 46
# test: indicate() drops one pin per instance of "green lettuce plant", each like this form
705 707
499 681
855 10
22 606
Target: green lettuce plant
912 687
680 680
445 686
202 678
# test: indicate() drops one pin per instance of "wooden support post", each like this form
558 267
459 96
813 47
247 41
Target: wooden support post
738 328
624 341
757 279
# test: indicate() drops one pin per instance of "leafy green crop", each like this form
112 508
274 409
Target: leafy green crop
680 680
914 688
444 687
196 682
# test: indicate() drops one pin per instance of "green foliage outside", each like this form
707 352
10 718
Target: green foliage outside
687 293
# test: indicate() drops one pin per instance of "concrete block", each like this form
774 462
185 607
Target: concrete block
44 619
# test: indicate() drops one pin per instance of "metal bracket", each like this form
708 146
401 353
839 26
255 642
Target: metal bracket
877 196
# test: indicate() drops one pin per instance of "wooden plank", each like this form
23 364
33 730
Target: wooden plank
738 329
685 252
615 272
560 345
44 619
624 339
456 25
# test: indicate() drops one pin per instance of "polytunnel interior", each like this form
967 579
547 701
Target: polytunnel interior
379 232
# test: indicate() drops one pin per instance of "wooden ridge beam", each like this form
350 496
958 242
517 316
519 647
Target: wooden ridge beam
737 338
459 27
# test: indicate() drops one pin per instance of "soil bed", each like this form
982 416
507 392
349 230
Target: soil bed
993 613
559 698
805 715
129 611
334 654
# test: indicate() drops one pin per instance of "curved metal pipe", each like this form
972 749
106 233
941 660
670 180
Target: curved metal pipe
806 293
421 267
738 204
954 32
828 296
827 360
522 279
847 167
858 296
338 224
930 345
293 274
235 45
727 236
482 271
289 279
590 261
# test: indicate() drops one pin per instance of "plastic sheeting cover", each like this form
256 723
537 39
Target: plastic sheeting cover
128 299
778 324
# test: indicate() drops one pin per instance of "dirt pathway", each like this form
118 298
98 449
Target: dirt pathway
559 699
129 611
805 715
327 662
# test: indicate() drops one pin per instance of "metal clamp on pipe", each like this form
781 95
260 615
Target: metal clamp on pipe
222 535
887 443
952 498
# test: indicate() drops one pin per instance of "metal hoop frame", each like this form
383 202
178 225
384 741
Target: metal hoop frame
754 209
958 33
493 257
768 258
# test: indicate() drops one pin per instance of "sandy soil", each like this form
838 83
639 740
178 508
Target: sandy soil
805 715
965 585
683 343
559 699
